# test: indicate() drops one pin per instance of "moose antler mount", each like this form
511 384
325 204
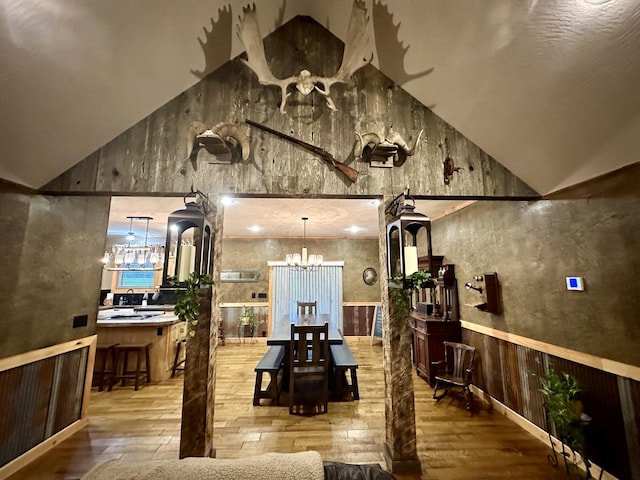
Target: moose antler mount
356 51
384 152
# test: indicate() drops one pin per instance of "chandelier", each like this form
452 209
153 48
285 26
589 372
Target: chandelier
130 256
304 261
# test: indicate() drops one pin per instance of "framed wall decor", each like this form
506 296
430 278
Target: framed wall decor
370 276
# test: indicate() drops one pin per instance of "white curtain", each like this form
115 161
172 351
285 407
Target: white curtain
322 285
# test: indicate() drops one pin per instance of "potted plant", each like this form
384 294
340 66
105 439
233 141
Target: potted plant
415 281
187 306
564 410
249 319
420 279
248 325
401 290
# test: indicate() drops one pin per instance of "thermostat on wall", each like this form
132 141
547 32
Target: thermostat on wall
575 283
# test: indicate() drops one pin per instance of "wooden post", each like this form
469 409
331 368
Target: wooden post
400 447
198 402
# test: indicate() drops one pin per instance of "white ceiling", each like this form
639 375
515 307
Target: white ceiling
275 217
549 88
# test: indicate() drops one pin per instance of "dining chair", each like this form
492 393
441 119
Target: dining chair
309 368
307 308
455 370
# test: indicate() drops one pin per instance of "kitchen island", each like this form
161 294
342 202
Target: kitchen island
161 328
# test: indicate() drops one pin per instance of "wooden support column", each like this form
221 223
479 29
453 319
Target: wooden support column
198 403
194 431
400 419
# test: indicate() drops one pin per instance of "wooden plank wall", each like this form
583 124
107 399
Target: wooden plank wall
506 372
148 157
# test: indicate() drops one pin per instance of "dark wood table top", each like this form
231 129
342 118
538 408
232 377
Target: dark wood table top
282 332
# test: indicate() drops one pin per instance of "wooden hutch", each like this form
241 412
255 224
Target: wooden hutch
436 317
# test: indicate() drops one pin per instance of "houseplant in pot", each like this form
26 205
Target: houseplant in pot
249 320
564 410
420 279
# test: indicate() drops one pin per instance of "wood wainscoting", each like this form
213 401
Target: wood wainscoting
44 399
505 377
357 318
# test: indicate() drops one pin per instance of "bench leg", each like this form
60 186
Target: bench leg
257 389
274 381
354 385
258 393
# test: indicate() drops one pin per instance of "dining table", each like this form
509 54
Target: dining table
281 335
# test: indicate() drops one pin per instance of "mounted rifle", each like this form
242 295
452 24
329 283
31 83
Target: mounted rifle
350 173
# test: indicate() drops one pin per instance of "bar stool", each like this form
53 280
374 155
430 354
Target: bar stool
177 361
122 354
102 372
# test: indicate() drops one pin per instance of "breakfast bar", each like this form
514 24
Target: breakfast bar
160 328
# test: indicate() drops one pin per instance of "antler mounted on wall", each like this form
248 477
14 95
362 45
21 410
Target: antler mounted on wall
354 57
221 141
378 152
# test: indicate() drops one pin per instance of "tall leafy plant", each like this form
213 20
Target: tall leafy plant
187 307
561 393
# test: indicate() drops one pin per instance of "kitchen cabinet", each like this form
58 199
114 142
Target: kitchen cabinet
429 333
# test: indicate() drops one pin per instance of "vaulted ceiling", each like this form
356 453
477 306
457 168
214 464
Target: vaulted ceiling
548 88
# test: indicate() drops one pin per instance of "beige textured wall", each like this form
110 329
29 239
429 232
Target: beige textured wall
253 254
533 246
50 257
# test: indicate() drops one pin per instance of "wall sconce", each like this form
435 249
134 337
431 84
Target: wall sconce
408 235
188 244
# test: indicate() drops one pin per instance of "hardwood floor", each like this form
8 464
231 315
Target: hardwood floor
145 424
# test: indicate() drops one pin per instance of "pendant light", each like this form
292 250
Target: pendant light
303 260
130 256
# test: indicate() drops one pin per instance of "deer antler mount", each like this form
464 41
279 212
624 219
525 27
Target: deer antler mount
356 50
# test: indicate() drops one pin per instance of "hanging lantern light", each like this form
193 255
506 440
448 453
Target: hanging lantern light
189 240
408 238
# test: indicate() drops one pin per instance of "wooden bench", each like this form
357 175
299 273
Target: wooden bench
343 360
271 363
